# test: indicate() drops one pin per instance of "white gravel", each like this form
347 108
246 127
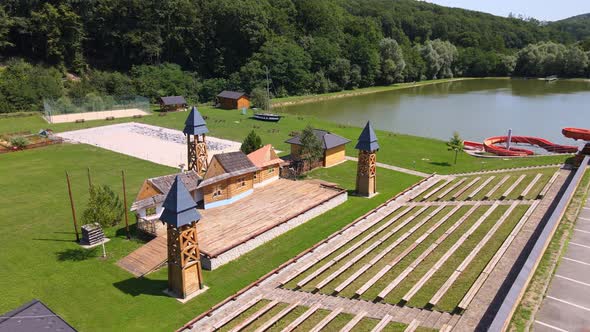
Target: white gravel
156 144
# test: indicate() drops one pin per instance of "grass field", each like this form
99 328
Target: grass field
422 154
40 259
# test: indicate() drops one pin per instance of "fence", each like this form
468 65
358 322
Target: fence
93 103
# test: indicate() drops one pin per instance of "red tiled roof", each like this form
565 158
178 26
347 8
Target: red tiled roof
265 156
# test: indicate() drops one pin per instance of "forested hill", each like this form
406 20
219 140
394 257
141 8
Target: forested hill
578 27
198 47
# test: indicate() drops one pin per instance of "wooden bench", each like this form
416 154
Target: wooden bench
451 280
301 318
496 187
448 254
350 325
227 318
423 190
255 316
514 185
449 189
414 324
382 323
496 258
276 317
480 187
345 253
435 190
426 252
384 238
465 188
548 185
528 189
326 320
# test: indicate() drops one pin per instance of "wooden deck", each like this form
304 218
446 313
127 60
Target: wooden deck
224 227
146 258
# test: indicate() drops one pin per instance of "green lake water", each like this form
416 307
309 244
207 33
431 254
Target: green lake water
475 108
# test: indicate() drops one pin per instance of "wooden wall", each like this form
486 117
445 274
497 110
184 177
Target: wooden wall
147 190
334 156
265 173
232 104
229 188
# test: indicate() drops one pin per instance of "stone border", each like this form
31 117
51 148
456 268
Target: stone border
211 263
508 306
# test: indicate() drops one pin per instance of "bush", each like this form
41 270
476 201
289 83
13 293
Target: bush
104 207
19 142
251 143
259 98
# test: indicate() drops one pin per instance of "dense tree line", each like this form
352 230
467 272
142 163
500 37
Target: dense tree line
197 48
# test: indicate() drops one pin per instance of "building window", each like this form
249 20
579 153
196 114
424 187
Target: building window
217 191
150 211
271 170
241 182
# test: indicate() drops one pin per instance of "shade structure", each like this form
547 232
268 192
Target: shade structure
367 141
179 206
195 124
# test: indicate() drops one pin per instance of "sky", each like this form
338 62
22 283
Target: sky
544 10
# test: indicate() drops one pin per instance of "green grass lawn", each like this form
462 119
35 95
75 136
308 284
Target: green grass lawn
423 154
40 260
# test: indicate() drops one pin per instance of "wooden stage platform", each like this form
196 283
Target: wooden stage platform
226 227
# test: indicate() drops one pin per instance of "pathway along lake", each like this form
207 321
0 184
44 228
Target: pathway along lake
477 109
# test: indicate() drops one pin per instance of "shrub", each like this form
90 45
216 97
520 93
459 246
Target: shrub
251 143
104 207
19 142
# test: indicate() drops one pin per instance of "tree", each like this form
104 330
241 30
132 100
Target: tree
392 61
311 147
259 98
455 144
104 207
251 143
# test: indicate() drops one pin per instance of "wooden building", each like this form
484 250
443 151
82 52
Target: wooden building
173 103
334 147
230 177
268 162
231 100
366 175
148 203
185 277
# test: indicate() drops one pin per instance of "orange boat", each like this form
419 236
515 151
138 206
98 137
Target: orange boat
576 133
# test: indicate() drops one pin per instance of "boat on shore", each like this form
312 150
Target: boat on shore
267 117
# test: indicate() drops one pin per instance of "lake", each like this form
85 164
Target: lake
475 108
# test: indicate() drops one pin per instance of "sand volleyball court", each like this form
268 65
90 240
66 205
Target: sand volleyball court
159 145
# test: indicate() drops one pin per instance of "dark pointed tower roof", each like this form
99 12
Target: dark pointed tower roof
195 124
367 140
179 206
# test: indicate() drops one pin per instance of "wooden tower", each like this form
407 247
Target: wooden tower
184 264
195 129
367 164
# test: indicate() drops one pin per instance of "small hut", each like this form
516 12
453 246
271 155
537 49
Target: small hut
172 103
231 100
334 147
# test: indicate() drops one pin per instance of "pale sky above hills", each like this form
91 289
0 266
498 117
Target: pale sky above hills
544 10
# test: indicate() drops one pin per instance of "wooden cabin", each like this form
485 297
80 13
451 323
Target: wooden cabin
231 100
230 177
334 147
149 200
269 164
173 103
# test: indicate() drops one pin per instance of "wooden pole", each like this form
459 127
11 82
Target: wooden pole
73 208
89 178
125 206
